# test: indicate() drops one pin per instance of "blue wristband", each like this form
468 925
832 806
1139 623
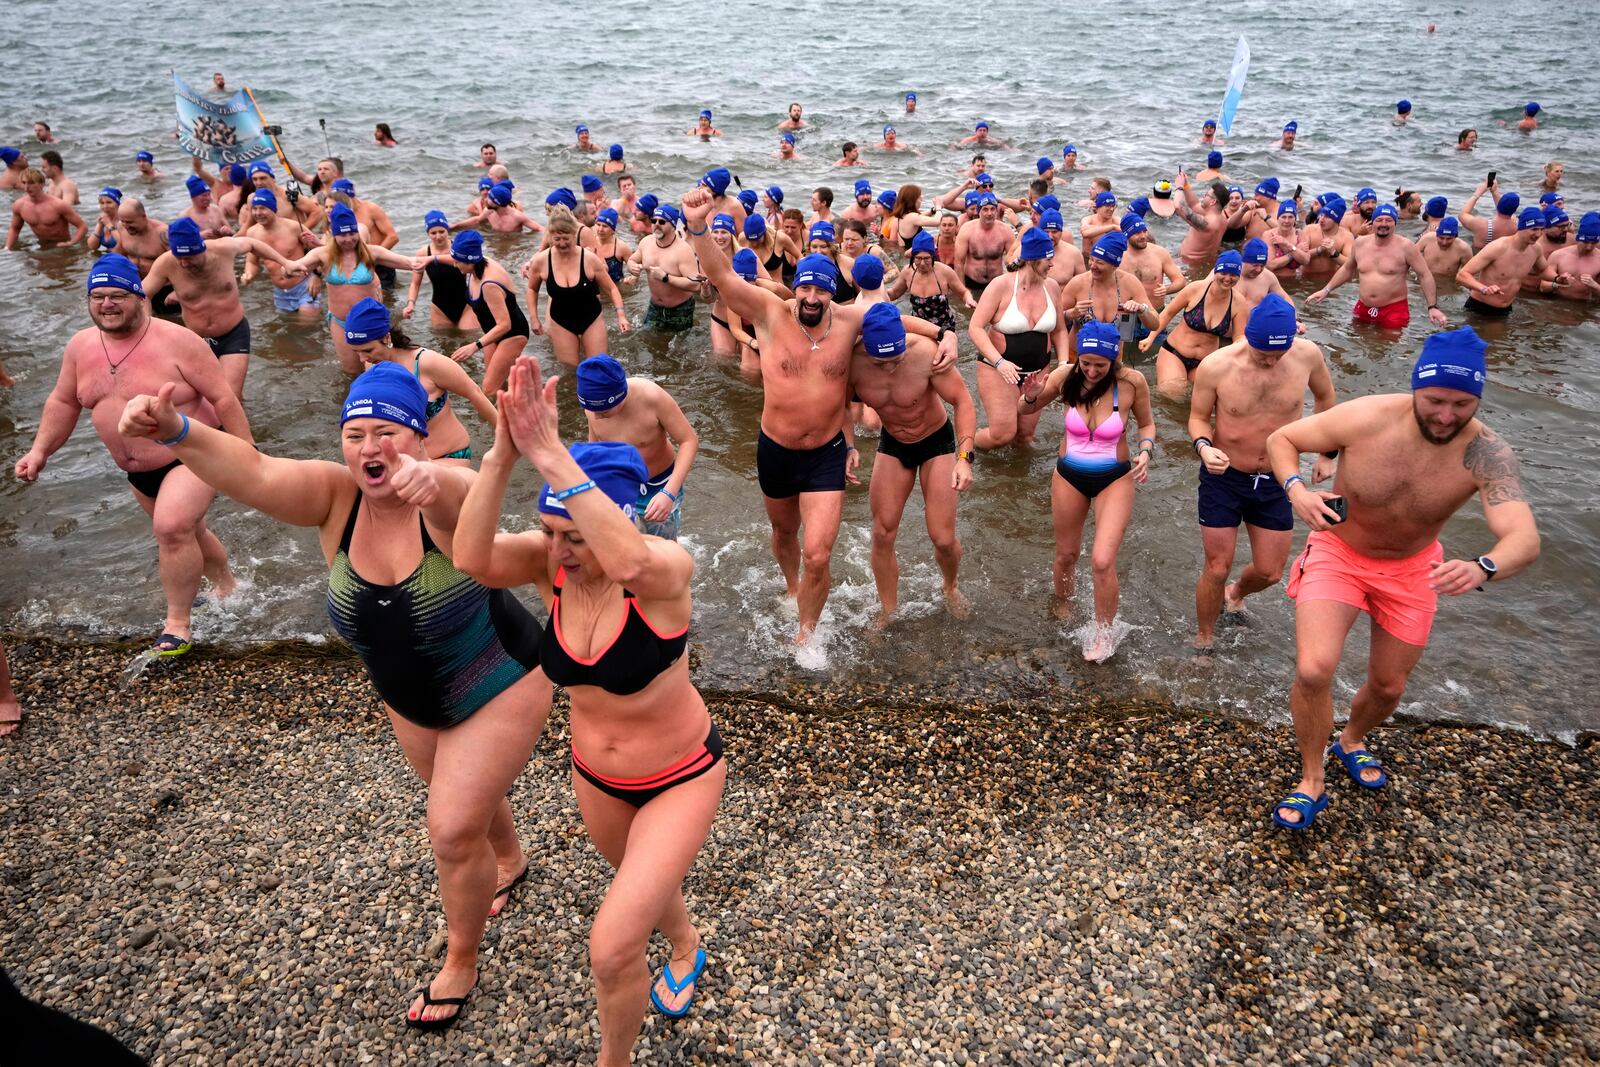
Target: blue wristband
692 232
676 498
1287 482
582 487
169 442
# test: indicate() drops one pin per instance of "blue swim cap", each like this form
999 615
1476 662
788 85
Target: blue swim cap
705 113
264 198
1047 202
237 175
867 271
1365 194
716 179
602 383
183 237
745 263
863 186
615 151
260 166
467 247
981 125
1546 199
1554 216
1255 251
924 242
1209 124
562 196
196 185
144 157
9 154
590 184
580 128
116 271
883 335
1133 223
818 270
1214 159
1508 204
647 203
1110 248
1049 220
500 194
111 192
984 178
749 200
755 227
1287 207
1448 227
1140 205
435 219
485 183
666 213
1045 163
821 230
607 216
1267 187
1334 207
367 321
1105 199
1271 327
1036 244
775 194
1531 109
1230 262
724 222
1103 339
343 220
971 197
1069 150
1437 207
887 130
1404 107
1589 227
1453 359
787 138
390 392
345 186
1386 211
616 468
1530 219
1290 127
887 199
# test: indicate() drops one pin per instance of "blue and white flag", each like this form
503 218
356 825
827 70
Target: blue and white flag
225 131
1236 76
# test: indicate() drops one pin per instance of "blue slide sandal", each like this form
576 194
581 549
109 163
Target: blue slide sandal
1308 808
1356 762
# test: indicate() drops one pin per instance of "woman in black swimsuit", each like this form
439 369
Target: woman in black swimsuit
455 662
647 762
573 277
505 327
448 304
1205 321
774 249
611 247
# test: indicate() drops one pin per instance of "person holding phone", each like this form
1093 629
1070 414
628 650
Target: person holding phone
1242 393
1407 463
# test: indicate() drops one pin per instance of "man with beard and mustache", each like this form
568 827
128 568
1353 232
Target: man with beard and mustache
803 454
1580 263
1380 261
1406 465
129 353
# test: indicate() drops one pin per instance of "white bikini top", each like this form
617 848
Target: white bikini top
1014 321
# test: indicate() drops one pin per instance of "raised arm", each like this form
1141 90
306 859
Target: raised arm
498 560
389 258
744 299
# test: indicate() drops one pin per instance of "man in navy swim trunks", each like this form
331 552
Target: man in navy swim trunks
1250 388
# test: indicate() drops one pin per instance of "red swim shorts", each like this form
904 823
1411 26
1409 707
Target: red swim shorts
1391 316
1393 591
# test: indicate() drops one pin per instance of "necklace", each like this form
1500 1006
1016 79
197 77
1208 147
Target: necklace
128 354
816 342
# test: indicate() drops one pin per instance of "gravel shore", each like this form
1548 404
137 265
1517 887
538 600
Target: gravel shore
226 862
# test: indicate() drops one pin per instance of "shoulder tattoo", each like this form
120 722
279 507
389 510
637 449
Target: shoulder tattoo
1494 466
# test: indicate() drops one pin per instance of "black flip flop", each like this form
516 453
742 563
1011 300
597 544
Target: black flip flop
508 891
429 1000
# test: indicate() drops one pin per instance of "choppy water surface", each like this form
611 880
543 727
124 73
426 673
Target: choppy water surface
77 550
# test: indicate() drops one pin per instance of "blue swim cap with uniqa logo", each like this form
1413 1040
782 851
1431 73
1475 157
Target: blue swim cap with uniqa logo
1214 159
367 321
1255 251
1507 205
111 192
1036 244
144 157
863 187
1045 163
435 220
755 227
1048 220
467 247
115 271
1271 326
1132 224
666 213
818 270
1437 207
580 128
1554 216
264 198
787 138
911 96
723 222
821 230
1047 202
716 179
887 199
389 392
984 178
1530 219
616 468
607 216
745 263
1230 262
345 186
647 203
602 383
1139 205
1110 248
1589 227
1448 227
590 184
1385 211
1334 208
1290 127
1105 199
775 194
1267 187
1287 207
1068 150
1453 359
342 220
1363 195
183 237
1103 339
615 152
261 166
1546 199
500 194
883 334
867 271
924 242
748 200
485 183
196 185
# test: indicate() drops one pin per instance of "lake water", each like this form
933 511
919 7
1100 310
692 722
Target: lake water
1129 83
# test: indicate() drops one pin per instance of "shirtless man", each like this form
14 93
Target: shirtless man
1406 464
1066 263
1381 261
891 141
1580 263
893 375
1504 222
53 221
140 237
1099 222
488 156
284 235
129 353
1285 143
60 186
1206 218
1530 118
673 271
1496 274
146 165
1255 280
1150 262
981 246
793 121
861 208
376 228
201 275
980 136
1359 221
205 211
230 187
1443 250
501 214
1250 388
1325 245
911 103
803 457
1208 132
786 149
642 413
15 164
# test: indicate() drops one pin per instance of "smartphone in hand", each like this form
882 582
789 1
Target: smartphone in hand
1492 175
1338 505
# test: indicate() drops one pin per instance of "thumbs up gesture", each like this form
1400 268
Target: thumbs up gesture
413 482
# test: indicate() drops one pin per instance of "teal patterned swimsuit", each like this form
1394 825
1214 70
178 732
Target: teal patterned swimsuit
438 646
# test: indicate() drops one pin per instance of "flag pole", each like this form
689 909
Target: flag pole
276 147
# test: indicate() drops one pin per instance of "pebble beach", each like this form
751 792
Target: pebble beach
225 862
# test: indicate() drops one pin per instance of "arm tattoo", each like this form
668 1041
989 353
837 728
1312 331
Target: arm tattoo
1494 466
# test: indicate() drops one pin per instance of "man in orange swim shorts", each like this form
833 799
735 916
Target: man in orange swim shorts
1407 462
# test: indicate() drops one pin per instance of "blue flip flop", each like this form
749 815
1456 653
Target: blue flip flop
1356 762
1308 808
677 986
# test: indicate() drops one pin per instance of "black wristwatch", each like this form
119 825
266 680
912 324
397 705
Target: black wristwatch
1489 568
939 337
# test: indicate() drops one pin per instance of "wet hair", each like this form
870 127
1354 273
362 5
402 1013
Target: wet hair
562 220
1075 391
52 157
625 177
487 144
848 147
1461 138
46 125
794 214
823 193
32 174
906 201
855 226
1100 182
383 128
397 334
1548 167
1404 197
1038 187
1221 192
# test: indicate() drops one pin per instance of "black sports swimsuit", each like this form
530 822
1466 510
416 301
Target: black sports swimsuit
481 308
449 289
572 307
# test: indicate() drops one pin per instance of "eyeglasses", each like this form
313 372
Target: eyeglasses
986 185
118 297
